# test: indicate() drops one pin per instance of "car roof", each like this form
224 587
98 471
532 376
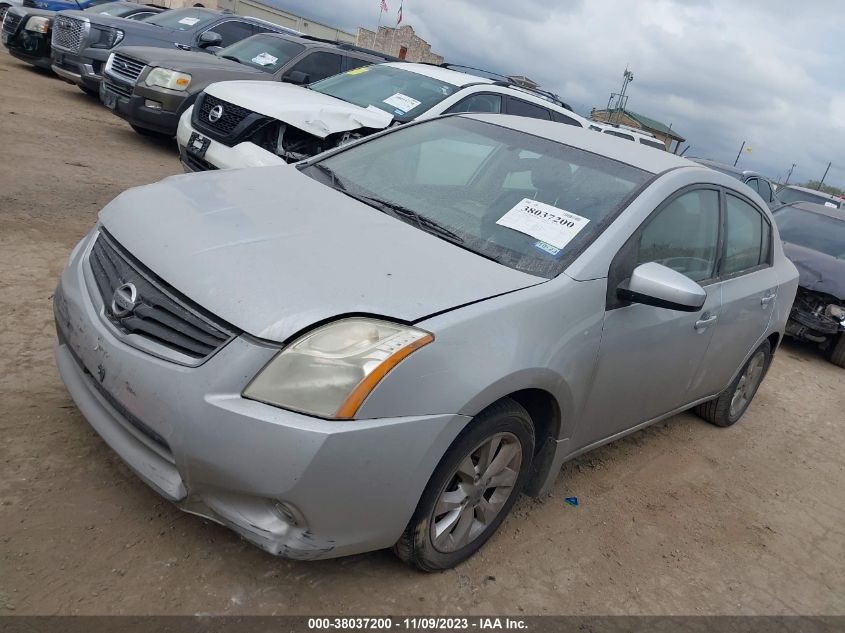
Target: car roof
722 166
635 154
454 77
824 194
820 209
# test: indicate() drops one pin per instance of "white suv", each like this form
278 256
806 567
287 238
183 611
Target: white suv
254 123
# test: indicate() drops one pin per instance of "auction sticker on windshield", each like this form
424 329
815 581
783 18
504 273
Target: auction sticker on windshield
402 102
265 59
543 221
189 21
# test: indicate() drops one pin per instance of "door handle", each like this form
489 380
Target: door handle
705 321
765 301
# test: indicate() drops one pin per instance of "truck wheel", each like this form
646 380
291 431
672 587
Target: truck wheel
837 351
472 489
729 405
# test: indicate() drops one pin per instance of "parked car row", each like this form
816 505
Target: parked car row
439 288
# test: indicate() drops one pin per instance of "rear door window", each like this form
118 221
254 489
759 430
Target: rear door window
479 102
319 65
519 107
562 118
745 246
233 31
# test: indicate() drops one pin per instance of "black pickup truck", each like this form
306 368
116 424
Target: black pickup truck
28 31
83 42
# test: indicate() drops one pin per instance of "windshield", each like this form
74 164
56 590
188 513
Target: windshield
266 52
182 19
812 230
402 93
526 202
788 195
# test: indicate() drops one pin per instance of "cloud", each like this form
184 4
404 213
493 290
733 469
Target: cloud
767 72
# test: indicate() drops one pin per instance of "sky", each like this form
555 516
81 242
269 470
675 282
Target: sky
767 72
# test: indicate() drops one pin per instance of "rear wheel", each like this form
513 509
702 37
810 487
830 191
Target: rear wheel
837 351
472 490
732 403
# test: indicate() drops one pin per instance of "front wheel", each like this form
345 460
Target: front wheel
837 351
729 406
472 489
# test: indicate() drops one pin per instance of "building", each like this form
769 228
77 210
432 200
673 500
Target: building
400 42
632 119
256 9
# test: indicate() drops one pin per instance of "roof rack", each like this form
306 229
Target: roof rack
488 74
346 46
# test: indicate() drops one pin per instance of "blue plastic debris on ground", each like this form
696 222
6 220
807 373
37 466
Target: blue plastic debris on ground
573 501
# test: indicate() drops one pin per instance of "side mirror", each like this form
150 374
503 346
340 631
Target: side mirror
296 77
656 285
213 49
210 38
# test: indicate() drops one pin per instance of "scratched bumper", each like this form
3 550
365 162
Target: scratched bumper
347 487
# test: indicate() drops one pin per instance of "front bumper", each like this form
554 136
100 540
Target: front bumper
188 433
133 109
33 48
217 154
84 69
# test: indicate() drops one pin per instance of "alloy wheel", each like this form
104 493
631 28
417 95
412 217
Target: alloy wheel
476 492
747 385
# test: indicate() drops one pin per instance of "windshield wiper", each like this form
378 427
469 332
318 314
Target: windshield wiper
424 223
232 57
335 182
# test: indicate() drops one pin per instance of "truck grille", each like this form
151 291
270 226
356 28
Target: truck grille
120 89
125 68
68 33
11 22
232 116
160 313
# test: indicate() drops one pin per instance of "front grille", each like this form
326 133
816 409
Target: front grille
160 313
232 115
125 67
68 33
120 89
11 22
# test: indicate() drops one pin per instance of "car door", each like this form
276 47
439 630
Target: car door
317 65
650 358
231 31
749 287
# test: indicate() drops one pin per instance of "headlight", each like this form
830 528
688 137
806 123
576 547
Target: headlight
330 371
38 24
166 78
107 37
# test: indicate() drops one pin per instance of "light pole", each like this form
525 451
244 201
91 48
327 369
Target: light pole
821 182
741 147
789 175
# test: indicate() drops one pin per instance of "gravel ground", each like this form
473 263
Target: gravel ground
681 518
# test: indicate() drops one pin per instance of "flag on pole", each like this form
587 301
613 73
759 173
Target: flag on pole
399 16
384 6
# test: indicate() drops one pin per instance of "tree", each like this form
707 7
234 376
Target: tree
834 191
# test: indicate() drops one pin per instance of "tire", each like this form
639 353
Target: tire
149 133
506 428
723 410
837 351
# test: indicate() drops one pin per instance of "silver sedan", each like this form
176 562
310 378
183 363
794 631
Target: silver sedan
383 346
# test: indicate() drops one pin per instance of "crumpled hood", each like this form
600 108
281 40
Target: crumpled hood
272 251
311 111
187 61
817 271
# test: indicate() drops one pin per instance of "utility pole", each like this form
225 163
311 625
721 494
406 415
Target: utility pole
821 182
789 175
739 153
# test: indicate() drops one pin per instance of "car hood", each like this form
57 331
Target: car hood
272 251
817 271
187 61
308 110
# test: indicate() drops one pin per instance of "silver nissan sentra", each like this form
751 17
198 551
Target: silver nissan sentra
382 346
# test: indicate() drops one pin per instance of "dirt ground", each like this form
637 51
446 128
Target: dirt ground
681 518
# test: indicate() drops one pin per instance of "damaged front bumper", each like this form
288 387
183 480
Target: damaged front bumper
816 317
294 485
